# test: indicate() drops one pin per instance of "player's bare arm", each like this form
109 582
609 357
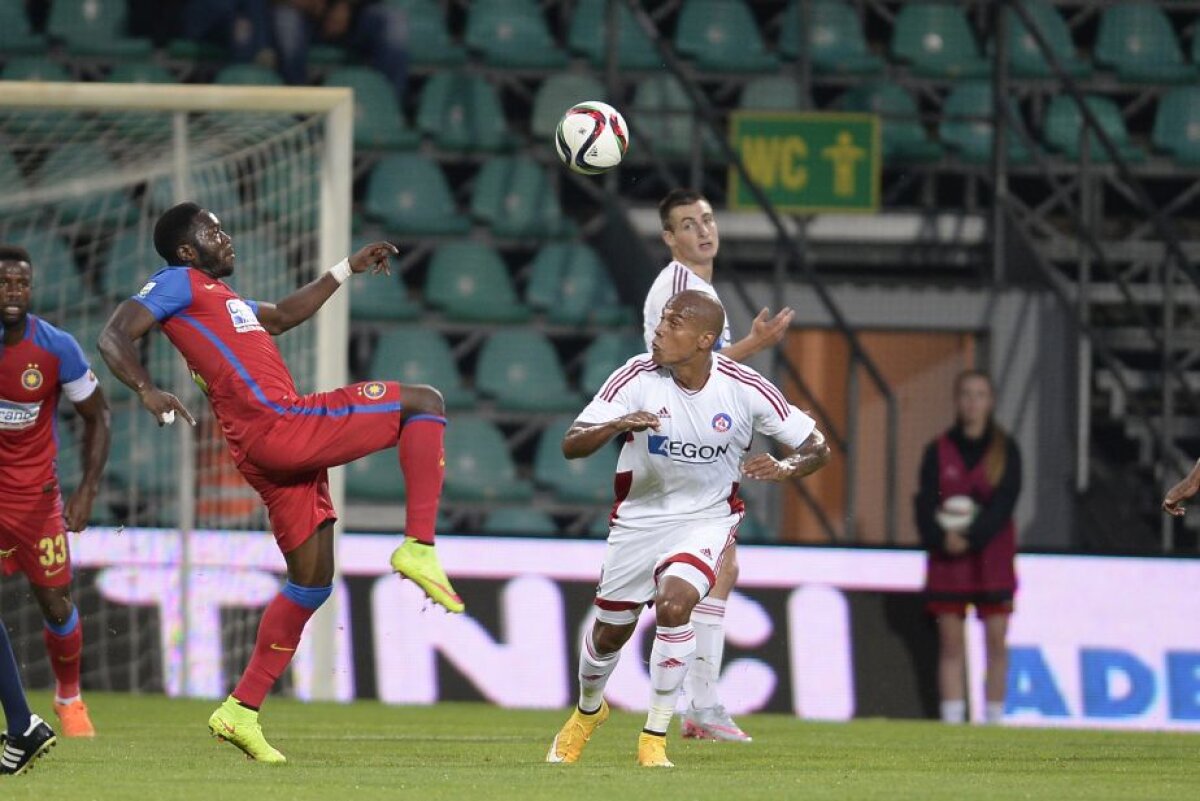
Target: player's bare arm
811 456
305 301
118 347
765 332
96 436
1183 491
584 439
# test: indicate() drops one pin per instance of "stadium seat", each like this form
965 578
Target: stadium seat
378 122
56 282
520 371
415 355
904 137
520 521
95 28
409 193
512 33
1064 127
131 259
16 34
513 196
429 43
751 529
600 526
836 43
34 68
557 94
1026 57
478 464
247 75
569 285
376 477
936 39
463 112
139 72
381 298
721 36
142 455
587 480
606 353
469 281
666 118
1177 125
967 124
10 172
773 93
1137 41
588 37
98 208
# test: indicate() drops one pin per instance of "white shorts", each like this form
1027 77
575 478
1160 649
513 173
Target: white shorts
636 558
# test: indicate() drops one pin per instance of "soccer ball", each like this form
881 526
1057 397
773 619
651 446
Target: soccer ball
956 513
591 137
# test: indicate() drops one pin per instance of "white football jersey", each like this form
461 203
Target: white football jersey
689 469
675 278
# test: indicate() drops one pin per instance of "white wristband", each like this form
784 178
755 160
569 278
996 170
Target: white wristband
341 271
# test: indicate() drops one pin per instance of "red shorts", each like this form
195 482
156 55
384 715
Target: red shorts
982 609
33 538
288 465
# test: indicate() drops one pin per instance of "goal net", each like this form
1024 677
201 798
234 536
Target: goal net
86 170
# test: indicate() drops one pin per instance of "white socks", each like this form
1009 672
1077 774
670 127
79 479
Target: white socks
594 670
708 618
670 658
994 712
954 711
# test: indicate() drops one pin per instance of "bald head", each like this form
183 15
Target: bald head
691 324
700 310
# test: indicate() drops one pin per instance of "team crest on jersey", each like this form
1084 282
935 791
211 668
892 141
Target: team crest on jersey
31 379
722 422
374 390
242 316
147 289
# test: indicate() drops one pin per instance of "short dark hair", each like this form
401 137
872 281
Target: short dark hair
174 228
676 197
15 253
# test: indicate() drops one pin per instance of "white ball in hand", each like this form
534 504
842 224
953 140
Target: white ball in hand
957 513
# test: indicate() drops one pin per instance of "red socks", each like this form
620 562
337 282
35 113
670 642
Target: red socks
423 462
64 651
278 637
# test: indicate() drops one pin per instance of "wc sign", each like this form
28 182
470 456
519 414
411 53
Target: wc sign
820 633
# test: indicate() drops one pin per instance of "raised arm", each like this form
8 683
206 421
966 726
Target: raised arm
764 333
305 301
811 456
96 436
584 439
118 347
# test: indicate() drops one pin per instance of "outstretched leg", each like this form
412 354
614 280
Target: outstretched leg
598 656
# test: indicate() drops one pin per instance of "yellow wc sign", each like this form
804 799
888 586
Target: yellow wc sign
807 162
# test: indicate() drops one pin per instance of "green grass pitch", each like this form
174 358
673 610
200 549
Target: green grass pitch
157 749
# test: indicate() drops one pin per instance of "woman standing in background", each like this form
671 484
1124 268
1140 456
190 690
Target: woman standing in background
970 480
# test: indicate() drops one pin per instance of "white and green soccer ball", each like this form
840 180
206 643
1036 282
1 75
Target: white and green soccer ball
591 137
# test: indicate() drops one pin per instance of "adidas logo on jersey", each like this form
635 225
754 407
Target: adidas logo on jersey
664 412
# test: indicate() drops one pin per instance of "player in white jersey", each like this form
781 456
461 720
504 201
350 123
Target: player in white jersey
690 232
686 416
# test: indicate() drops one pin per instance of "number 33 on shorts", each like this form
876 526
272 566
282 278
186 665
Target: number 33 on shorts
53 552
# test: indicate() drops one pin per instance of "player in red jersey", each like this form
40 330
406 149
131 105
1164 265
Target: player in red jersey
38 363
282 442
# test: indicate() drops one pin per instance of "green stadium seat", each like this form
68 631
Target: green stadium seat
378 122
600 526
588 37
773 93
141 454
140 72
606 353
376 477
95 28
1064 127
326 55
665 117
520 371
520 521
751 529
478 464
967 124
56 282
34 68
409 193
904 137
381 298
1137 41
429 43
247 75
16 34
1177 125
836 43
587 480
10 172
197 50
936 39
463 112
557 94
512 33
420 356
468 281
1026 57
721 36
216 193
569 285
131 259
513 196
144 126
98 208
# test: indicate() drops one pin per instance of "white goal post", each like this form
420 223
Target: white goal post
86 168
